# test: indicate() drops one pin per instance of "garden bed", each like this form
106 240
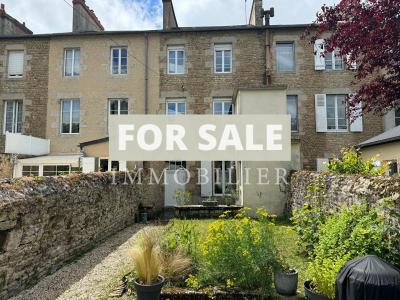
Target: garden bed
208 294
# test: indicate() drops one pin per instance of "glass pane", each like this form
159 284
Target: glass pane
76 105
331 123
217 177
285 57
397 118
115 61
218 61
338 61
328 61
68 63
9 116
292 110
124 65
49 170
181 62
217 108
123 107
172 61
227 108
171 108
113 107
62 170
181 108
18 128
115 165
227 60
77 62
65 116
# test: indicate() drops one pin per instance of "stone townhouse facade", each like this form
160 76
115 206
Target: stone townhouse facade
74 81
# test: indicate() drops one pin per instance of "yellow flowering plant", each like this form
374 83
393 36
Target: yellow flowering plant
239 252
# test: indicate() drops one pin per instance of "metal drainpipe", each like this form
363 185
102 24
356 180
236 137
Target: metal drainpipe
146 73
268 67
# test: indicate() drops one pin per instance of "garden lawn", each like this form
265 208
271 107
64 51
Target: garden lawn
285 239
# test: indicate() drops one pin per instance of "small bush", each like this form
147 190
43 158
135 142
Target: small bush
238 252
356 231
352 163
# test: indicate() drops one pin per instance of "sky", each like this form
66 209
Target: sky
47 16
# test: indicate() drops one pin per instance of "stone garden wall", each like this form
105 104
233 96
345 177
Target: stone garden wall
344 189
46 222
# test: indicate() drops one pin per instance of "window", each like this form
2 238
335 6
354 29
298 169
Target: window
223 107
70 116
223 59
333 61
72 61
12 116
30 171
56 170
176 107
118 107
397 118
224 181
292 110
103 165
175 165
15 64
336 112
176 60
119 61
285 57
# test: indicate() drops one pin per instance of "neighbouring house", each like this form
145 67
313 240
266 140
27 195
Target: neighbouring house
90 74
385 147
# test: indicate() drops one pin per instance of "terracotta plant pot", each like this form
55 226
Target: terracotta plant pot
149 292
286 282
310 294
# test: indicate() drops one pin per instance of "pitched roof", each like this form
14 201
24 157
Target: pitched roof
392 135
20 25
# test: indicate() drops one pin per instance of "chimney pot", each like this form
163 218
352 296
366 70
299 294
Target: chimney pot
3 7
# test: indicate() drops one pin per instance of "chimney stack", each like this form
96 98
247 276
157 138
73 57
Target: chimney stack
169 18
2 10
256 16
84 19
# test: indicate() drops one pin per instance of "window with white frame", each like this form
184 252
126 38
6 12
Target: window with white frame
72 62
224 177
15 64
176 107
285 57
118 106
222 107
30 171
119 60
70 116
176 60
292 110
333 60
336 112
223 58
56 170
397 118
12 116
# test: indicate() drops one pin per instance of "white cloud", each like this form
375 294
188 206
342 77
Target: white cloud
44 16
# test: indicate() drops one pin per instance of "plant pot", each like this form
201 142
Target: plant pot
310 294
149 292
286 283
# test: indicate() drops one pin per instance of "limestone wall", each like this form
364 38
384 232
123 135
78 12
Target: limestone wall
48 221
344 189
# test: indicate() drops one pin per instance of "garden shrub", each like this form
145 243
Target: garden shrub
238 252
310 217
354 232
352 163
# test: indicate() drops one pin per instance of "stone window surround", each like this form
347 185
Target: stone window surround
293 43
4 58
223 47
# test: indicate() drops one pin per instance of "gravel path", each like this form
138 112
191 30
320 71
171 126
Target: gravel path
91 275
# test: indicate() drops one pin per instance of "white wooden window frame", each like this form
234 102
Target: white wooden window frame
223 179
334 58
70 116
57 166
175 50
226 101
9 55
17 104
291 43
119 100
119 60
176 103
74 50
336 114
223 49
